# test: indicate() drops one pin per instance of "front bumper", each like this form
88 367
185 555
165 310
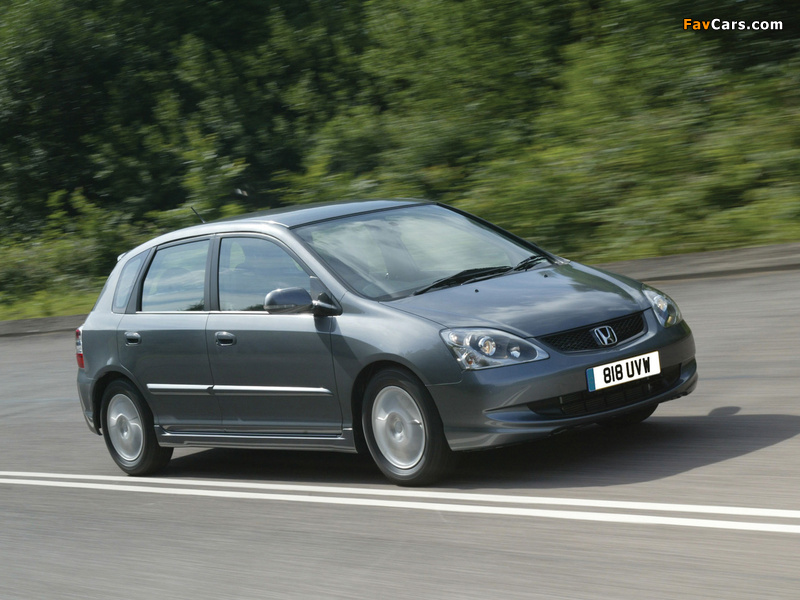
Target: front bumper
508 405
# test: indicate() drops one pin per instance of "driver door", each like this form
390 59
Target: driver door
273 373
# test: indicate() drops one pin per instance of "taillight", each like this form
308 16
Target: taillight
79 348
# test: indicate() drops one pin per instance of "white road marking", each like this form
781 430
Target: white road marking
428 494
301 494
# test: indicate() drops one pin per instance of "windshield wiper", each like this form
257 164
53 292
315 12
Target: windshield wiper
461 277
530 262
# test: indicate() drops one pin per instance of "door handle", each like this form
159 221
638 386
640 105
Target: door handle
225 338
132 338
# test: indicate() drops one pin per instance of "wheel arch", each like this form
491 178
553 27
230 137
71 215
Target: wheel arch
357 395
99 390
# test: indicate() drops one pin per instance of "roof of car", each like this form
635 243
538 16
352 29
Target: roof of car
288 217
294 216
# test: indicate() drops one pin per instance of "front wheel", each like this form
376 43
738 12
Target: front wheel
128 431
403 429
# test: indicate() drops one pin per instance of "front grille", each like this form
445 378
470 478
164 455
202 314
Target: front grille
584 403
577 340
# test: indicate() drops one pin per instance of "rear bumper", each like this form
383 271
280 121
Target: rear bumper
85 385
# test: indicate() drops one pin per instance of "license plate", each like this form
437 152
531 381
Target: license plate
623 371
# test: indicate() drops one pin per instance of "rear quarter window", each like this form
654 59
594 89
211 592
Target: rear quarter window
127 279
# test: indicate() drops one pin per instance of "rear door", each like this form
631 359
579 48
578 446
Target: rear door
273 373
163 343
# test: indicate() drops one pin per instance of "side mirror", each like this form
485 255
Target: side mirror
325 306
288 301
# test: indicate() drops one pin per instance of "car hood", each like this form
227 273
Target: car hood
531 303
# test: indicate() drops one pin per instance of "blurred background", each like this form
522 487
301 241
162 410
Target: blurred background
602 129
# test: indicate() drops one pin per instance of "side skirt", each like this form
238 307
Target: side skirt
343 442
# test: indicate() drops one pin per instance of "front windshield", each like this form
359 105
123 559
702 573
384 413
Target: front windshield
394 253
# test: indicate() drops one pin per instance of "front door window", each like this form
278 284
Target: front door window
250 268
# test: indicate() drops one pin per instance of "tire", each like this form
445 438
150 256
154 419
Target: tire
128 431
630 419
403 430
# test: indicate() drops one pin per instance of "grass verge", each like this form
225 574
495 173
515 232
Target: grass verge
48 303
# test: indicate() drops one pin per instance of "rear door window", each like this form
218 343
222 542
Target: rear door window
175 280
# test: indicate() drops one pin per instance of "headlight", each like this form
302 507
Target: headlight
485 348
666 309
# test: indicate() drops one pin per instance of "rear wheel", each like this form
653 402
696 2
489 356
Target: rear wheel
128 431
403 429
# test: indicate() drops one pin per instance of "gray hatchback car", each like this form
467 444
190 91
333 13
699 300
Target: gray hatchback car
409 330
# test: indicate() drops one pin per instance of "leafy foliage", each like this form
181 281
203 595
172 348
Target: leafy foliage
600 128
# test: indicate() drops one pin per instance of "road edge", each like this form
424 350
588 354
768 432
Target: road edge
716 263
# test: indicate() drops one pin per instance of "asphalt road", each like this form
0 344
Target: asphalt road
700 501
